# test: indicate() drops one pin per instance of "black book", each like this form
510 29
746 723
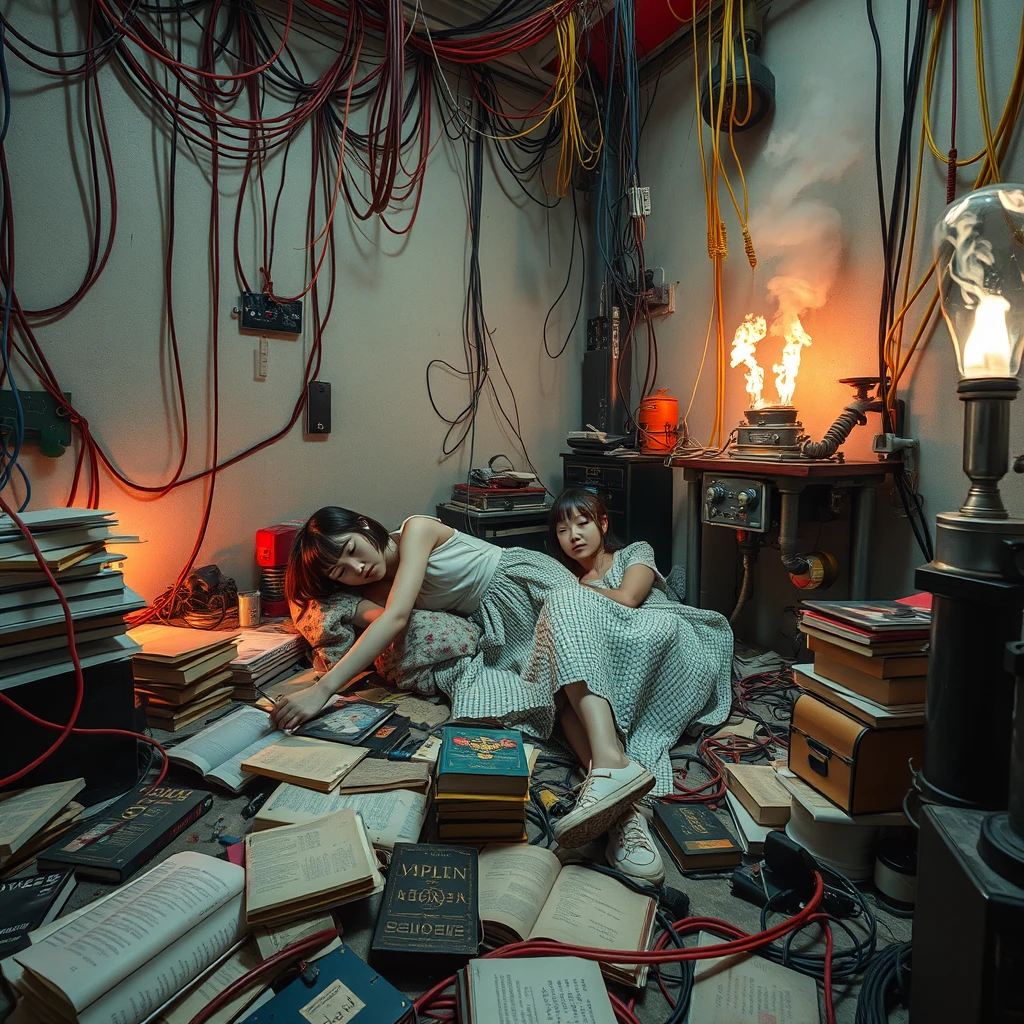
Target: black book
351 723
114 845
430 905
29 903
394 731
695 837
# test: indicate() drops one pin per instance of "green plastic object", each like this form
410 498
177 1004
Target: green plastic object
47 421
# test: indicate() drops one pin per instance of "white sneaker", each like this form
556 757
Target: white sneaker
631 849
603 796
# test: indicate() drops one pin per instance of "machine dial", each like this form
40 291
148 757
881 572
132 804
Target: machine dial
747 499
715 493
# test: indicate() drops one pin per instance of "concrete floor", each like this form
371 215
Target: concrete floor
709 897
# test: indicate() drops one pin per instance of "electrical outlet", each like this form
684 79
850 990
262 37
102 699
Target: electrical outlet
639 201
661 300
260 312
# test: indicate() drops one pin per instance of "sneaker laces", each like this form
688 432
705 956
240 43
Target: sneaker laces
584 796
633 835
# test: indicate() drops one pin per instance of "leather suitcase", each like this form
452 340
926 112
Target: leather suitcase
862 769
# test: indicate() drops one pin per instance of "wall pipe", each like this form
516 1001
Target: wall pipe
794 563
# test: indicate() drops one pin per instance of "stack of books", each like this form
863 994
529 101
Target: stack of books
182 674
33 636
264 655
481 787
870 657
31 819
498 499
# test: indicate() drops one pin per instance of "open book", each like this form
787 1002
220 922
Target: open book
391 817
129 954
217 753
295 870
525 893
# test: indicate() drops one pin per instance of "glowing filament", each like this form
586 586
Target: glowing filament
785 372
987 350
744 346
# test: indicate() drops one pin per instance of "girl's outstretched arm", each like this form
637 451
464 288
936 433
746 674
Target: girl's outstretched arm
418 539
637 582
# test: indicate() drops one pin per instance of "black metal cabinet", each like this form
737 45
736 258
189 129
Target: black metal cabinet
525 529
637 493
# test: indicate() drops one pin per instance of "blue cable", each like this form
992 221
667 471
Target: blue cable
11 454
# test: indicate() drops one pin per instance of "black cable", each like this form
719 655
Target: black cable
886 980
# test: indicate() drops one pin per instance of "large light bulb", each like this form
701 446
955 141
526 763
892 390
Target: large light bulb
979 249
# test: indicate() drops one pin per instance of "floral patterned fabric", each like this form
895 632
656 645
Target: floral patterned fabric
431 640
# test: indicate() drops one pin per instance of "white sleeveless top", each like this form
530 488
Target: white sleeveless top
458 572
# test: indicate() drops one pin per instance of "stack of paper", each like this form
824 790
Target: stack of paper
264 655
182 674
30 819
33 631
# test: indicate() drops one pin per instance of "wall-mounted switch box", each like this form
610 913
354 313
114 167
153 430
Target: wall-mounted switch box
318 407
260 312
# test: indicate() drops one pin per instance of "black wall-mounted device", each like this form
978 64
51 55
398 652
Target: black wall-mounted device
260 312
318 407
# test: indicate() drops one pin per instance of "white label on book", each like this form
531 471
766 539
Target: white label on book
335 1005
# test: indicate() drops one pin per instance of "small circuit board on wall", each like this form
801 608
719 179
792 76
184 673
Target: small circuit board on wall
47 421
262 313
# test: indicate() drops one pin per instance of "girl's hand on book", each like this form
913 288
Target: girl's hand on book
299 707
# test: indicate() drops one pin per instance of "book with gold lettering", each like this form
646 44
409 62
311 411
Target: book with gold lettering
430 905
695 837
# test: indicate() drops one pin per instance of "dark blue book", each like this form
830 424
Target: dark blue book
345 988
485 761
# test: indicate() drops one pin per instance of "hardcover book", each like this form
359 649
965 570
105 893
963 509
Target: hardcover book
29 903
430 905
875 616
114 845
345 987
351 723
695 837
475 760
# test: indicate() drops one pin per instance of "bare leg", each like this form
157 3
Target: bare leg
595 715
576 735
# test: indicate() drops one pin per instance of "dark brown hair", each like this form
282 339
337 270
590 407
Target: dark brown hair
318 547
571 503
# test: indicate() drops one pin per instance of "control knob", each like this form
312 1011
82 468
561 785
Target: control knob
715 493
748 498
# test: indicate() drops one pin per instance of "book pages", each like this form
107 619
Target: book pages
300 758
236 966
307 864
26 811
389 817
515 882
86 958
272 939
242 732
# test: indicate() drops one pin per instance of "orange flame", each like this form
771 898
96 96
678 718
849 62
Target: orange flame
785 372
744 346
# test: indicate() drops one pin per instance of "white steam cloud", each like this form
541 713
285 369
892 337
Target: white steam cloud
801 233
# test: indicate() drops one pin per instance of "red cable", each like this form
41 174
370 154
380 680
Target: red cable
310 945
685 926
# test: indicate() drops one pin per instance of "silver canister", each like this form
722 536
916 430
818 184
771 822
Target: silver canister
249 608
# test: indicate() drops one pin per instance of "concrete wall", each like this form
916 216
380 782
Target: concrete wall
822 57
398 305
